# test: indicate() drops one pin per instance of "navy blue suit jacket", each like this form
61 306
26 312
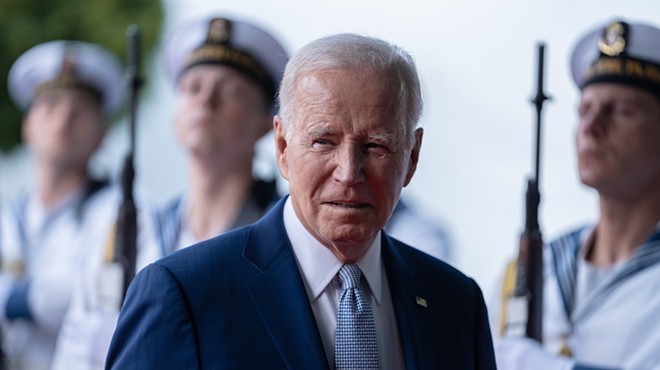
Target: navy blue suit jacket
237 301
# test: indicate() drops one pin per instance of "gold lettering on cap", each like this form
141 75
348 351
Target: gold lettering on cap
224 54
652 73
607 66
619 67
642 71
634 68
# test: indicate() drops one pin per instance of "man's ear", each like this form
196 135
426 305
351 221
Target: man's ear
414 155
25 127
280 147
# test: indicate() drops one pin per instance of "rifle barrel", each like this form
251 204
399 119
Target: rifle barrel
538 103
133 34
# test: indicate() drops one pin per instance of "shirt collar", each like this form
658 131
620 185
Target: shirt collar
319 265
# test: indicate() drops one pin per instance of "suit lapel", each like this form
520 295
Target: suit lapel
279 295
280 299
411 306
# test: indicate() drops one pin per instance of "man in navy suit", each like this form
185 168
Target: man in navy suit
266 296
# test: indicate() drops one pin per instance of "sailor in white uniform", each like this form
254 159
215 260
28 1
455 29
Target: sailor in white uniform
67 89
226 72
601 305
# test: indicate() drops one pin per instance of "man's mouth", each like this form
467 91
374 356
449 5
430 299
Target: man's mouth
350 205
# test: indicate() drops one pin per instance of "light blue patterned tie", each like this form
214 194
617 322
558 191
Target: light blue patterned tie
355 341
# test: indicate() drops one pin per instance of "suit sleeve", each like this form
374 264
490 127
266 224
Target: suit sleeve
485 357
155 329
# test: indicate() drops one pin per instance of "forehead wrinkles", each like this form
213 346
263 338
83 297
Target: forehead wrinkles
333 86
333 92
324 99
313 91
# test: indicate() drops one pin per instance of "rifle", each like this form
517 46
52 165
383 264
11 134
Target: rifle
522 293
125 246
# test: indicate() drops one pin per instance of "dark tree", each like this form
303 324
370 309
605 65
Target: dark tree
25 23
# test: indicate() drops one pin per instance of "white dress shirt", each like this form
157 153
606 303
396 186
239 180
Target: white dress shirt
319 267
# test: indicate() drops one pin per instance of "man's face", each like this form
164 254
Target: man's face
347 156
64 127
618 140
220 112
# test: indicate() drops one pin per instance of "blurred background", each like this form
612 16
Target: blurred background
477 63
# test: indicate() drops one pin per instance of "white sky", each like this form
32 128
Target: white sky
476 60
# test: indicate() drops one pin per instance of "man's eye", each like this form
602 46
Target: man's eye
191 87
375 147
321 142
624 110
230 91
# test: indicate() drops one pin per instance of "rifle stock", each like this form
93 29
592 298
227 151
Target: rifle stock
126 231
530 280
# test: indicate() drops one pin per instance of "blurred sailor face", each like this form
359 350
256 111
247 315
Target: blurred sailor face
347 156
618 140
220 112
64 127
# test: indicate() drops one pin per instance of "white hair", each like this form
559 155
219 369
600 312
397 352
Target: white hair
354 52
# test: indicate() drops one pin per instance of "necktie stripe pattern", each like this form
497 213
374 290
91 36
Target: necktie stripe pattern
356 346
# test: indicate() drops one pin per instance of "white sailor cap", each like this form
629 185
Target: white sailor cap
620 52
225 41
69 64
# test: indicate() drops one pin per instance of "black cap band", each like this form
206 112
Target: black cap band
624 70
217 49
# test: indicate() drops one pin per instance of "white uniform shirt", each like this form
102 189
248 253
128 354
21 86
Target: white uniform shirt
51 251
319 267
92 317
615 320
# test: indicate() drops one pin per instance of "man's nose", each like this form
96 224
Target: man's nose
593 123
210 98
66 110
349 166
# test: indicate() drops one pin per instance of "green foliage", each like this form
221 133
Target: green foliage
25 23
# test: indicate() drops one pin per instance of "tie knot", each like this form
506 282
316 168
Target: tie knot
349 276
